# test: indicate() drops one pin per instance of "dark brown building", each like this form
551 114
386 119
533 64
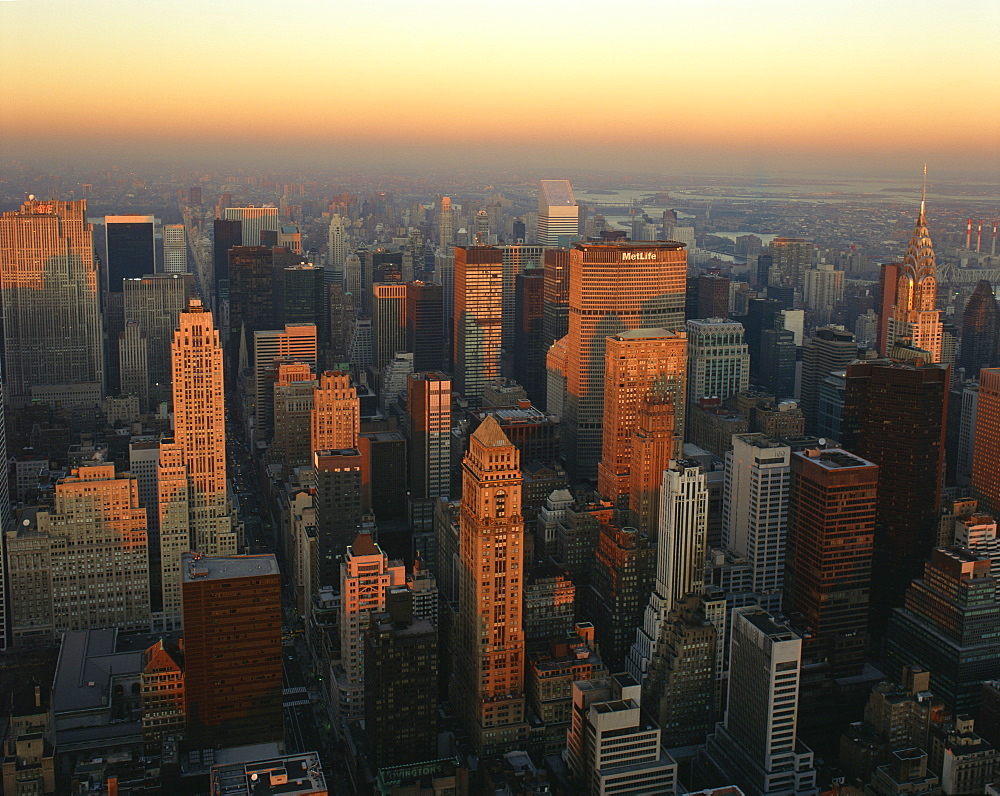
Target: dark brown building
713 296
894 416
828 564
231 608
529 338
425 325
339 488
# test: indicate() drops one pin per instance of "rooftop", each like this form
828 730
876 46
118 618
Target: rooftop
294 775
644 334
196 567
87 662
834 458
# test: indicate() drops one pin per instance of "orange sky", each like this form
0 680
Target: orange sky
899 79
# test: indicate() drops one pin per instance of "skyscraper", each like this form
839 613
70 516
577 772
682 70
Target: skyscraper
175 259
558 214
253 220
528 343
828 569
252 286
790 257
638 364
50 303
888 284
489 666
614 287
916 315
366 576
830 348
985 456
388 321
428 404
336 413
478 318
130 250
718 359
516 259
756 745
336 247
980 331
5 525
894 416
155 303
232 649
556 295
446 223
425 325
680 557
755 512
226 233
200 428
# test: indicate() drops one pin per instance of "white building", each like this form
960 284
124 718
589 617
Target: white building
558 214
755 746
755 511
337 248
610 747
254 219
681 550
175 255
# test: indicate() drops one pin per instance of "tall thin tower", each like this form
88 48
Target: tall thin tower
200 428
489 666
916 315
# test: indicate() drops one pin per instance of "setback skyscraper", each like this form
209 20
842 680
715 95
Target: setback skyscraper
53 348
489 656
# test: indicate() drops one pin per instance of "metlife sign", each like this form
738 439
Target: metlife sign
631 257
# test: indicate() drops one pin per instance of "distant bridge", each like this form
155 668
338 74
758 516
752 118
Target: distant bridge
949 274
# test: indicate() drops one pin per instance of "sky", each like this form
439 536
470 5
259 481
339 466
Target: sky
664 85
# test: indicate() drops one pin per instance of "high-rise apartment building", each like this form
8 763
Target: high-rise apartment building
232 649
155 303
558 214
718 359
175 258
200 429
428 405
830 348
980 331
916 316
755 746
713 296
478 319
614 287
336 413
130 249
823 289
986 447
489 666
388 321
828 564
894 416
81 564
424 325
790 258
253 220
50 304
755 512
366 576
639 364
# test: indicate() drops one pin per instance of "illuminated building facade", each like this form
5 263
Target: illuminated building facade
614 287
490 664
51 308
478 321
